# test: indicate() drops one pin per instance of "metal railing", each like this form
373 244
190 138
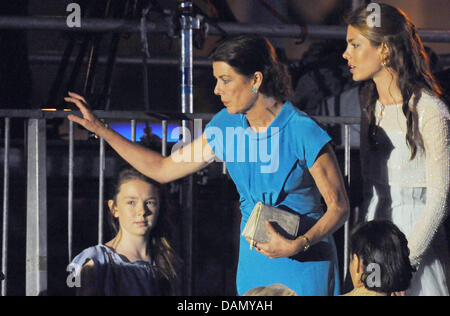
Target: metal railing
36 221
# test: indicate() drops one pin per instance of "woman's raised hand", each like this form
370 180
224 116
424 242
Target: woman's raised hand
89 121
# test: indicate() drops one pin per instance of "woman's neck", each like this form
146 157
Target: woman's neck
134 248
263 113
389 92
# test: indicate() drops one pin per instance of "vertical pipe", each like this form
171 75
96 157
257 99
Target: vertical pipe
186 69
36 234
145 56
187 106
70 192
101 179
133 130
5 207
164 138
347 223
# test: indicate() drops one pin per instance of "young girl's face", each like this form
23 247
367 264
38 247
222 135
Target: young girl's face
137 207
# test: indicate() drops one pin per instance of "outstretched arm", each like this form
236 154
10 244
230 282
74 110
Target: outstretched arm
146 161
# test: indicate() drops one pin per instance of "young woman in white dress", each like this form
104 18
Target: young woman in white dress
405 147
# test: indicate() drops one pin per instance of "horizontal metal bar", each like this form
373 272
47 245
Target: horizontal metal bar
156 117
280 30
41 59
163 61
118 115
133 26
352 120
87 25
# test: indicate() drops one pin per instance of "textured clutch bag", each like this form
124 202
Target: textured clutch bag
284 222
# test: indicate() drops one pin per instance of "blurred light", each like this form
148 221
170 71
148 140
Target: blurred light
124 129
54 110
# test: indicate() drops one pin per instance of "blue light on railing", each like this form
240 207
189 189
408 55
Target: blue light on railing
124 129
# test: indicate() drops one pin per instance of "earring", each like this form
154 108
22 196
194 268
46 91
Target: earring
384 63
255 90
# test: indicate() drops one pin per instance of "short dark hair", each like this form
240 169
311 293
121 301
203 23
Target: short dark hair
381 242
248 54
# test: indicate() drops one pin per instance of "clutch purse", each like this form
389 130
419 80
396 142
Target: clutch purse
286 223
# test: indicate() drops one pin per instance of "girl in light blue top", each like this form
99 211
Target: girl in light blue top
138 261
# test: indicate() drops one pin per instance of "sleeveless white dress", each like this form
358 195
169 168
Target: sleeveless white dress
413 194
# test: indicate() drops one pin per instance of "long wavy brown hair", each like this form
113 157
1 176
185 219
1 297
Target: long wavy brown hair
407 58
159 248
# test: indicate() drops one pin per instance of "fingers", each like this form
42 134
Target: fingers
75 119
81 103
77 102
254 244
89 120
78 97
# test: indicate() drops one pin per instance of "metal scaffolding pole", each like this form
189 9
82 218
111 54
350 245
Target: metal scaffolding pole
188 23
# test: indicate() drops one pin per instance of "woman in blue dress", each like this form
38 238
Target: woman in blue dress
274 153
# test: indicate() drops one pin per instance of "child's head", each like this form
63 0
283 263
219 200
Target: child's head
135 203
379 257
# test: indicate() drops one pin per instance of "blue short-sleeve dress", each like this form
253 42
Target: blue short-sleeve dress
273 167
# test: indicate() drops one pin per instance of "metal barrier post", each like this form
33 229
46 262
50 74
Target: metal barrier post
347 223
133 131
36 236
70 191
101 179
5 207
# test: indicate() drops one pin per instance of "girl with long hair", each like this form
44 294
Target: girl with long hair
139 260
405 148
